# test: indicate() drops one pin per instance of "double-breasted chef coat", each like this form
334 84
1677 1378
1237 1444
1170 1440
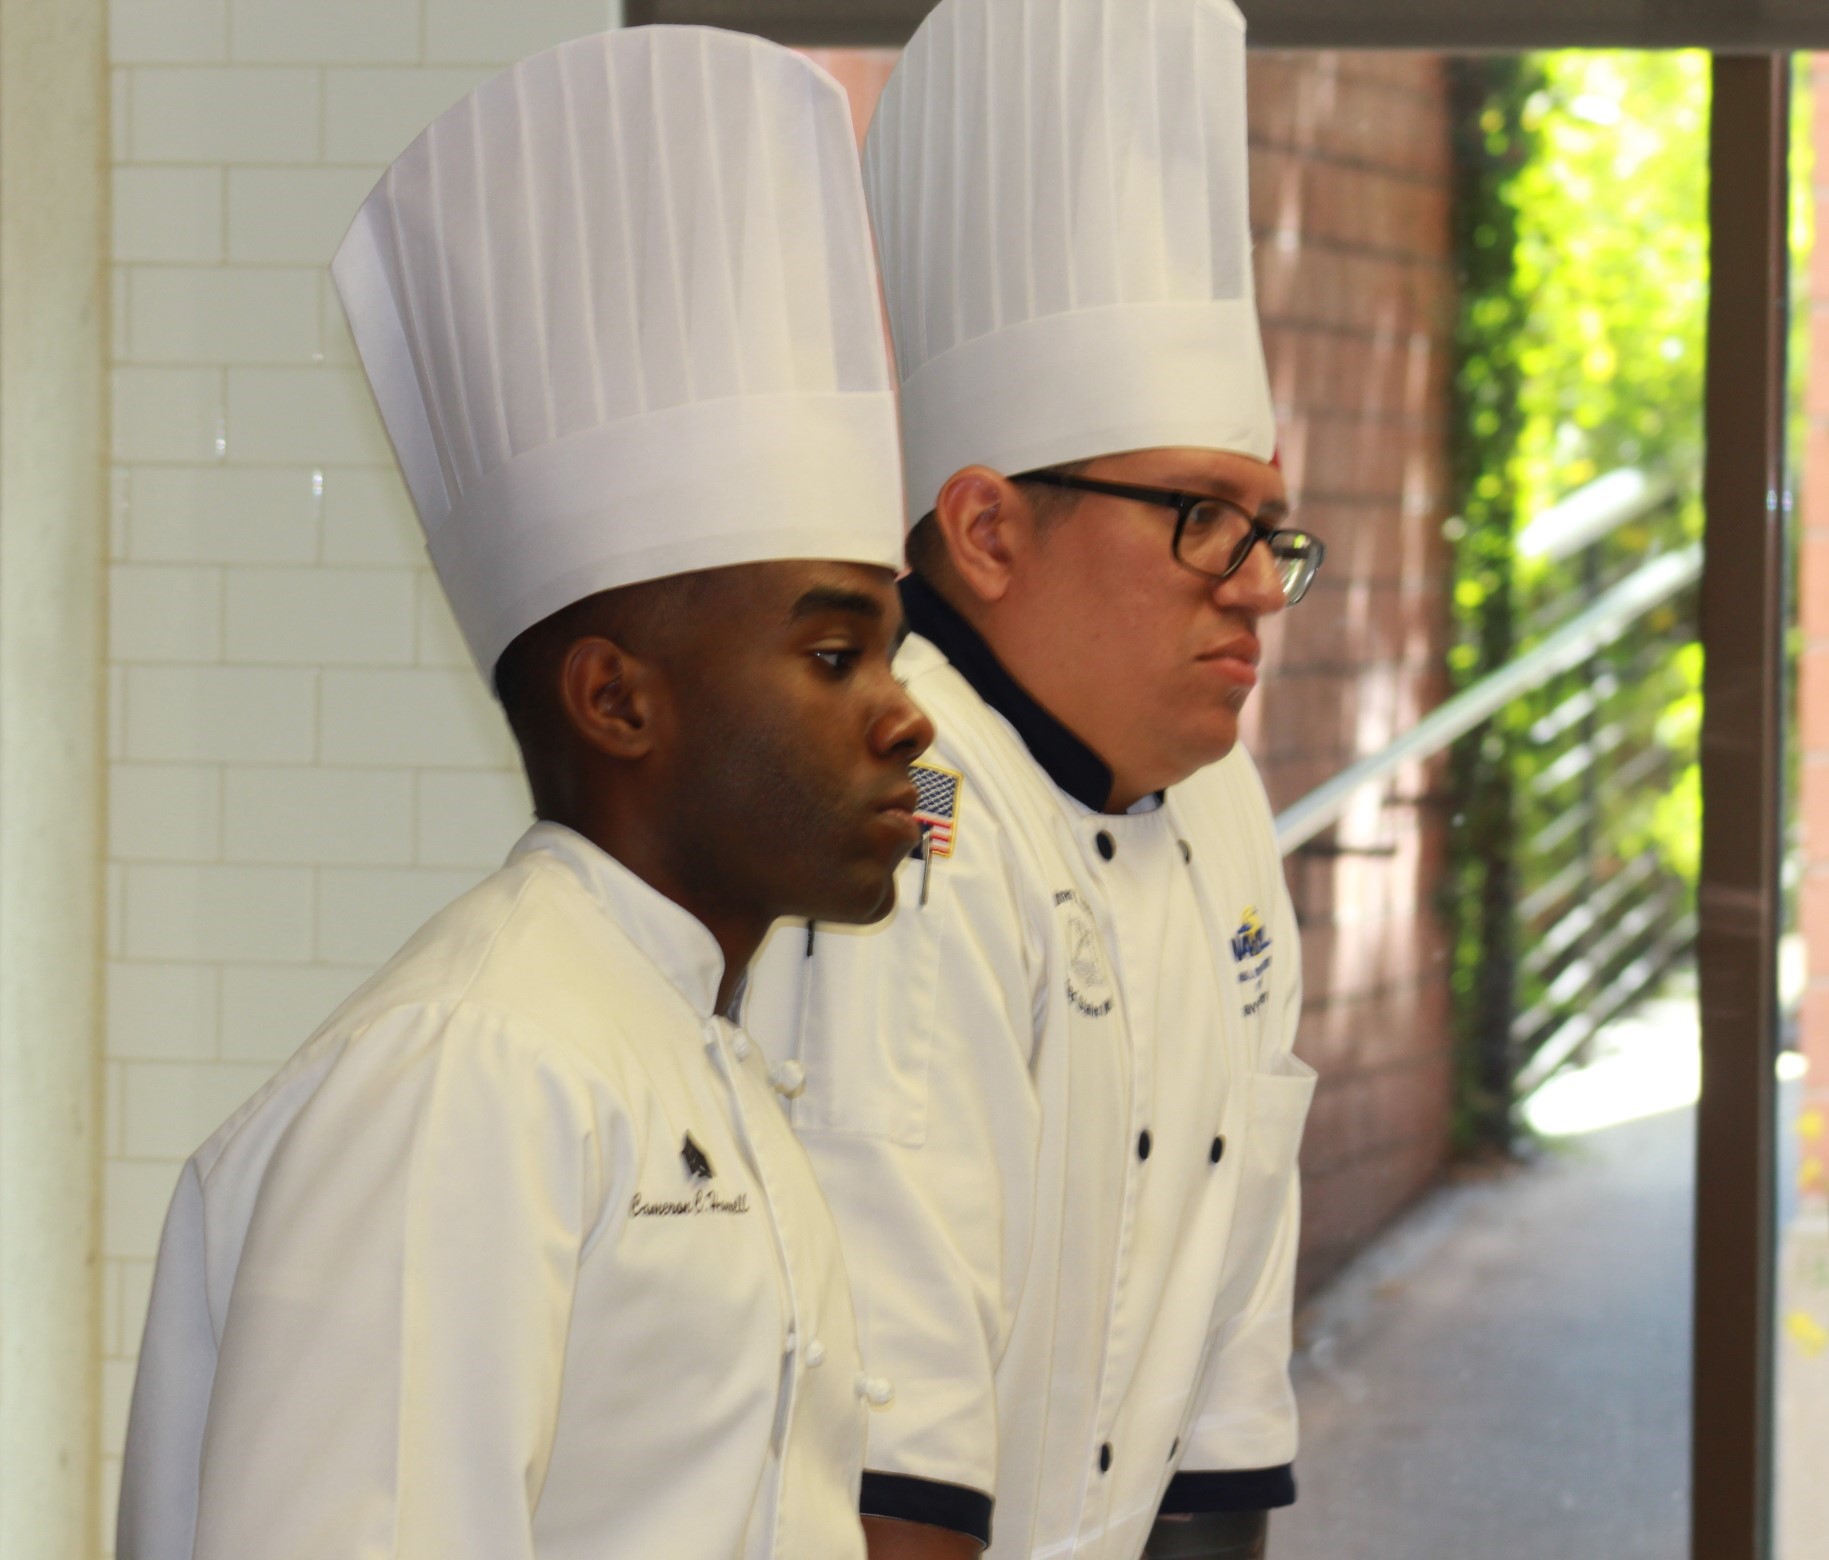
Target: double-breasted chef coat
1056 1113
516 1257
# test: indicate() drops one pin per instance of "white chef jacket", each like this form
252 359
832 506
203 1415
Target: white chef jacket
516 1257
1056 1113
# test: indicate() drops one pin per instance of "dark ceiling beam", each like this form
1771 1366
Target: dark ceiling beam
1731 26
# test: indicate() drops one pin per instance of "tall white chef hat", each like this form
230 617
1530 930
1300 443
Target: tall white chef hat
1059 194
619 311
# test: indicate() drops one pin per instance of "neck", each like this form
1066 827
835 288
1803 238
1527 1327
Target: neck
990 660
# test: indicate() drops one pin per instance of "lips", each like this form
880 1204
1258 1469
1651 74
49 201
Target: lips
1247 650
898 810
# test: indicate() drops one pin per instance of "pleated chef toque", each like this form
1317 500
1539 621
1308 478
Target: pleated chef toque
618 308
1059 194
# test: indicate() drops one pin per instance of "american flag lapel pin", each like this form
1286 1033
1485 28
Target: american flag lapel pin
937 811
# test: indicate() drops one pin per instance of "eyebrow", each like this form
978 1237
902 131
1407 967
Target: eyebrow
830 598
1209 487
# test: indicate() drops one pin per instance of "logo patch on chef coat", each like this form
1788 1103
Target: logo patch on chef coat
936 808
698 1162
1251 953
1088 980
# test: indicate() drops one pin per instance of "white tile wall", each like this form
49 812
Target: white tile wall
165 612
165 812
320 617
221 314
162 1012
364 914
168 214
426 717
324 31
220 514
303 762
315 815
371 116
369 519
297 216
221 714
158 32
240 114
174 414
219 914
301 415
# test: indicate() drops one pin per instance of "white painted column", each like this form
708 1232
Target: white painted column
53 310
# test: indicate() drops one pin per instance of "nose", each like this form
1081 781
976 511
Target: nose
1257 587
903 731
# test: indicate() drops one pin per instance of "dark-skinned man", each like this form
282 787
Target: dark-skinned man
1053 1100
517 1258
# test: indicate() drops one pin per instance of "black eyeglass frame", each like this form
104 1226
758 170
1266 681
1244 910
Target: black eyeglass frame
1283 542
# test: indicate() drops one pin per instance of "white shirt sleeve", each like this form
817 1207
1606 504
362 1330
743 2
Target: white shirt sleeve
921 1120
391 1356
1246 1422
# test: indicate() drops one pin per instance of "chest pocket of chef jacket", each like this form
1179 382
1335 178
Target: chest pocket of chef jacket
1266 1163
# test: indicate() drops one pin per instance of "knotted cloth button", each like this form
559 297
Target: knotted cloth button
874 1390
1218 1150
1187 850
816 1354
1108 847
789 1079
1143 1144
1105 1458
740 1044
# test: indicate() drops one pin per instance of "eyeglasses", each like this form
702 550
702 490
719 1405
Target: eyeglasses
1213 536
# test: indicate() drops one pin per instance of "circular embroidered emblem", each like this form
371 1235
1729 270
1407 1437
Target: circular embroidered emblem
1088 980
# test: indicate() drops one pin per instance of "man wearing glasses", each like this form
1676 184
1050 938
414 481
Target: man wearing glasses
1053 1100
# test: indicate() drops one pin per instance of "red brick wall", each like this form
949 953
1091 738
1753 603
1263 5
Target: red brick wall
1351 194
1350 201
1813 677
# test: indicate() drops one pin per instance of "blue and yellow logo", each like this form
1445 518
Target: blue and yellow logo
1250 940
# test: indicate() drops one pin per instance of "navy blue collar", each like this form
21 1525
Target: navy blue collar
1066 760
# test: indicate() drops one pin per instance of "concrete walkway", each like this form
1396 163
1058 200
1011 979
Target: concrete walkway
1506 1375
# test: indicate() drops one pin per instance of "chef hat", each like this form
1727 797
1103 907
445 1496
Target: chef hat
1059 194
619 311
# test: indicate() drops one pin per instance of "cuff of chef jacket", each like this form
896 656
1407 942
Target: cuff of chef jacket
1239 1489
928 1501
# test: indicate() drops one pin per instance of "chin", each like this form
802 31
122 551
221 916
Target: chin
873 900
1196 752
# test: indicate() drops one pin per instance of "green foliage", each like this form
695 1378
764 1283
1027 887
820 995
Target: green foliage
1584 245
1612 264
1493 146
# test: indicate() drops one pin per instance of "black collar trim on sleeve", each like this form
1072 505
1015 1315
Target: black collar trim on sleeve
1067 761
904 1498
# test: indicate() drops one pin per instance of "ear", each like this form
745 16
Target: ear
986 522
611 698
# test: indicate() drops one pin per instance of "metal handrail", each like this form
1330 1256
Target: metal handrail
1593 512
1647 587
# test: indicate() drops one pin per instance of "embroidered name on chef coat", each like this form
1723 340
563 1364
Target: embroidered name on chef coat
1088 980
703 1198
1251 953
